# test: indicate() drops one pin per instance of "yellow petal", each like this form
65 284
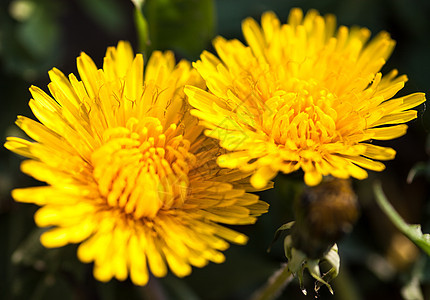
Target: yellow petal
88 73
19 146
254 37
313 178
262 176
387 133
137 262
366 163
155 260
378 152
55 238
397 118
411 101
177 264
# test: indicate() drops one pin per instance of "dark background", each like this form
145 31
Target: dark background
377 261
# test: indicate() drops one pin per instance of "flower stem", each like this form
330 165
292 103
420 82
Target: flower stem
275 285
141 28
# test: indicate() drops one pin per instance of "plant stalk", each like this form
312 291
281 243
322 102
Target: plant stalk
275 285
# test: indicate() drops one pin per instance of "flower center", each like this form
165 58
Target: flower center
301 115
142 168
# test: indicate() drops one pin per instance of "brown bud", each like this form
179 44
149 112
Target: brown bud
324 213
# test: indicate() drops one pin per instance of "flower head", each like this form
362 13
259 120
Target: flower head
129 173
302 95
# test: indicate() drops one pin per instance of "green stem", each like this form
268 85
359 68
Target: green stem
388 209
275 285
345 286
413 232
141 28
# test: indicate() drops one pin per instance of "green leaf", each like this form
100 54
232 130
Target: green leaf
333 258
186 26
413 232
285 227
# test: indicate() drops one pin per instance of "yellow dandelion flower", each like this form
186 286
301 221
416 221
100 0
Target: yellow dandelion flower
302 95
129 174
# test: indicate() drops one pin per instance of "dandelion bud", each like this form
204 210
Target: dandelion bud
324 213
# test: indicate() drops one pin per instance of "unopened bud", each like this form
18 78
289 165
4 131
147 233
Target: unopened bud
324 213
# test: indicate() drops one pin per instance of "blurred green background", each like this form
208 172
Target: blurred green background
377 261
